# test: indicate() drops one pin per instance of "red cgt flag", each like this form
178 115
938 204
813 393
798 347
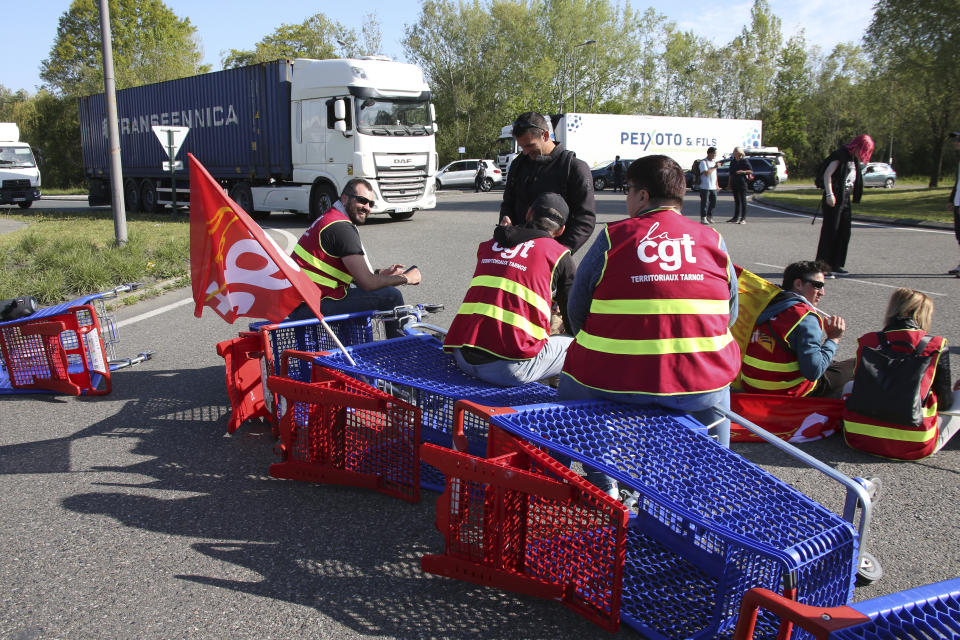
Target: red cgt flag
236 269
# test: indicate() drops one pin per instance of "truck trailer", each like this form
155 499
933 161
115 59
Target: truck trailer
19 173
597 138
279 136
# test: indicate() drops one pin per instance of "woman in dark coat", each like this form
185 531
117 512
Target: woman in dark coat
740 172
843 184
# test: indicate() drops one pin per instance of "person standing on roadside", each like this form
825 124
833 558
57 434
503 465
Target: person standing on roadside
740 173
842 185
544 166
480 176
708 186
955 201
617 174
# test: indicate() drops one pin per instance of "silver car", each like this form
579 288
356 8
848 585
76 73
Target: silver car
461 173
879 174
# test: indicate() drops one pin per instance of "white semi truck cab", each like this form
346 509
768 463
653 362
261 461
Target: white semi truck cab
368 118
19 173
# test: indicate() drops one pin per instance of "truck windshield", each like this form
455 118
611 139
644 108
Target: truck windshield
384 116
16 157
506 146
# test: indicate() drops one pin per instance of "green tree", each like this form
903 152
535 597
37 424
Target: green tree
150 44
918 42
316 37
785 119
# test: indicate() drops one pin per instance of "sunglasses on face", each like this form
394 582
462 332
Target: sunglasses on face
362 200
522 126
816 284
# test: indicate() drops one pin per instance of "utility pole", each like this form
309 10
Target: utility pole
110 97
576 61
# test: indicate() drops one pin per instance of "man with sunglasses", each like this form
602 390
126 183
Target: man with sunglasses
544 166
331 254
793 343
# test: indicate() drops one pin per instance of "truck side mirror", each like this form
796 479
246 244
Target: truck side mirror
339 110
433 118
341 126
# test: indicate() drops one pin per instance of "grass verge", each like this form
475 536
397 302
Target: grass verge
918 203
60 256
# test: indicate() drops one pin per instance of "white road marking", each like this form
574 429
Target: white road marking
875 225
876 284
291 240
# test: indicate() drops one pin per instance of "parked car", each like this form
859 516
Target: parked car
461 173
603 174
764 174
774 157
879 174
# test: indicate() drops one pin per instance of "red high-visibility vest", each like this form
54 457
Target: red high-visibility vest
887 439
770 365
658 321
506 310
328 272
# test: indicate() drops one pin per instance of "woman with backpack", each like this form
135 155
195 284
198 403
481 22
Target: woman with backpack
842 183
901 384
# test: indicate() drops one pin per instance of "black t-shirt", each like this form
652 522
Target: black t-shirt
341 239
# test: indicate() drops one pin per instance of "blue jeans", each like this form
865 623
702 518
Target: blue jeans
510 373
357 299
707 197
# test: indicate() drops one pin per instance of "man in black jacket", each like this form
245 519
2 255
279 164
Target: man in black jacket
545 166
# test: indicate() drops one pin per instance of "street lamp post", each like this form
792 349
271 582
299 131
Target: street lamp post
575 65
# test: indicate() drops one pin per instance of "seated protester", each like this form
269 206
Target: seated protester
787 353
924 394
331 254
501 333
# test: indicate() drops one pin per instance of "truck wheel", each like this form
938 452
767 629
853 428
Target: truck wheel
401 215
599 183
148 196
131 195
26 204
759 185
321 199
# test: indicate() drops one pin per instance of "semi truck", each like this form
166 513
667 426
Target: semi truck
285 135
597 138
19 173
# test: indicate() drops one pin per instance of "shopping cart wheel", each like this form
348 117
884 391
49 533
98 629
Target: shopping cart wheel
870 570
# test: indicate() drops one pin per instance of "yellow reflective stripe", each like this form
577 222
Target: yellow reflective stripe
929 412
323 281
889 433
316 263
653 347
771 385
507 317
653 307
517 289
781 367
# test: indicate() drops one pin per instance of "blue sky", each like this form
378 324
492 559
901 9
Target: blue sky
239 24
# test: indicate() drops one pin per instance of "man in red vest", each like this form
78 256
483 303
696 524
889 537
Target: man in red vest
501 333
793 343
652 305
331 254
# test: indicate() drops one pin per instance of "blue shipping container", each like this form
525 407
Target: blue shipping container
239 123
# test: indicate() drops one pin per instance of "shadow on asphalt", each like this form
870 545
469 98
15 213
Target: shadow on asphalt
350 554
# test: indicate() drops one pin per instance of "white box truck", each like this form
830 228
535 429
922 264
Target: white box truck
279 136
19 173
597 138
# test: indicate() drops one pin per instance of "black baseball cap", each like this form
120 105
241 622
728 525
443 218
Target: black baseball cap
551 206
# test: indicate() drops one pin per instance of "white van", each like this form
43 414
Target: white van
774 156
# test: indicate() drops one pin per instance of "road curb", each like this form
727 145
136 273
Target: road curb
893 222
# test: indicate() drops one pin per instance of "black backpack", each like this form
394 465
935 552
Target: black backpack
887 383
16 308
818 176
695 170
